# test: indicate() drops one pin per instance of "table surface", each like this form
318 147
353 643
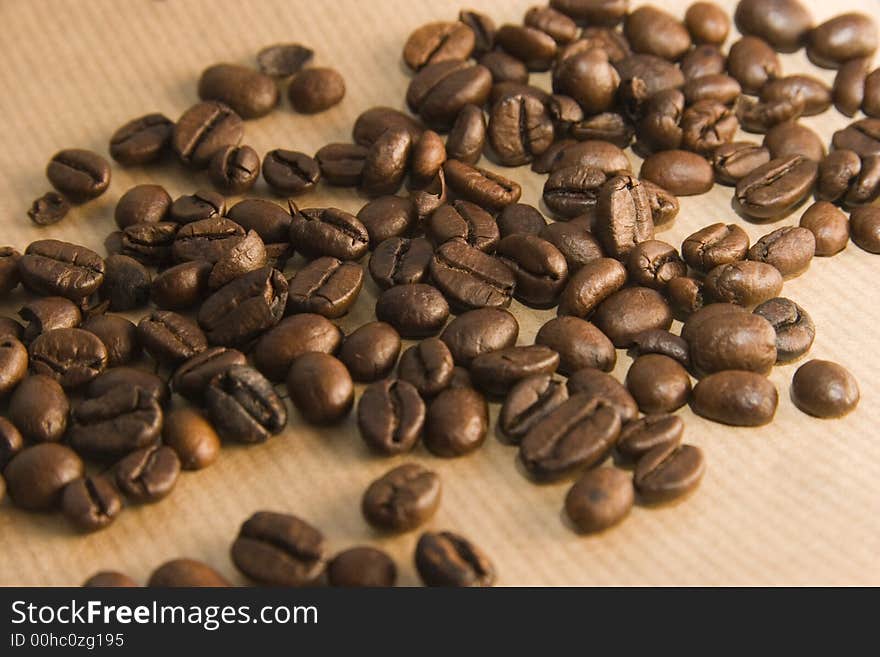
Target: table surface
795 502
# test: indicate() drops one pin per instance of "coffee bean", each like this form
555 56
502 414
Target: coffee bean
666 473
589 78
456 422
292 337
481 186
9 328
598 385
243 309
685 295
654 263
628 312
325 286
659 127
784 24
427 366
841 38
664 206
390 416
283 60
529 401
11 442
791 138
794 327
115 423
243 406
558 25
341 164
498 371
71 356
735 397
439 91
829 226
590 286
576 434
814 92
845 177
504 68
705 59
109 579
204 129
371 351
579 344
386 161
118 335
149 244
320 388
48 313
849 85
520 219
693 325
49 209
54 268
535 48
438 42
639 437
90 503
658 383
790 249
469 278
269 220
427 199
680 172
192 437
519 128
316 89
328 232
623 215
539 268
575 243
660 341
467 135
209 239
466 221
170 338
147 475
483 28
290 172
361 567
707 124
372 123
764 116
600 499
824 389
714 245
862 136
9 274
37 475
79 174
403 498
129 377
181 286
39 409
707 23
234 169
247 92
601 155
654 73
387 217
277 549
192 378
142 140
653 31
142 204
746 283
480 331
865 228
774 189
186 573
606 126
752 62
246 256
449 560
574 190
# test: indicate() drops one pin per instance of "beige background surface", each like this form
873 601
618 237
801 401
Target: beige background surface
796 502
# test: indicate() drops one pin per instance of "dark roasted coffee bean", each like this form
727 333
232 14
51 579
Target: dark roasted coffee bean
204 129
865 228
467 135
680 172
736 397
277 549
640 436
9 269
607 13
399 260
243 406
328 232
577 245
427 366
54 268
109 579
142 140
90 503
576 434
371 351
693 324
11 441
181 286
115 423
792 138
658 383
290 172
49 209
841 38
539 268
824 389
590 286
843 176
246 256
703 60
170 338
37 475
598 385
590 79
784 24
208 239
186 573
600 499
573 190
316 89
707 124
611 41
325 286
385 164
776 188
149 244
628 312
439 91
714 245
735 160
464 220
372 123
414 309
283 60
72 356
142 204
449 560
623 216
469 278
520 219
504 68
745 283
79 174
320 388
13 364
829 226
848 91
269 220
9 328
251 94
685 295
664 206
814 92
437 42
752 62
341 164
48 313
456 422
359 567
664 474
579 344
402 499
707 23
535 48
118 335
129 377
192 437
191 379
234 169
148 474
654 263
794 328
528 402
292 337
483 187
545 162
390 416
661 341
790 249
427 157
480 331
651 30
564 112
498 371
519 128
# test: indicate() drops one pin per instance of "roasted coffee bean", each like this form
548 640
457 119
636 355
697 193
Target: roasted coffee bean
848 91
658 383
733 341
449 560
707 23
590 286
707 124
693 324
774 189
79 174
49 209
204 129
654 73
325 286
9 269
664 206
558 25
762 116
535 48
715 87
829 226
198 206
841 38
577 246
320 388
292 337
251 94
437 42
598 385
37 475
48 313
11 442
109 579
428 198
115 423
246 256
129 377
192 437
653 31
705 59
579 344
601 155
464 220
736 397
654 263
314 90
573 190
269 220
142 204
290 172
520 219
640 436
600 499
497 372
814 92
623 216
186 573
680 172
735 160
519 128
90 503
606 13
480 331
745 283
427 157
659 127
72 356
328 232
277 549
865 228
784 24
192 378
576 434
439 91
714 245
402 499
390 416
790 249
371 351
792 138
685 295
414 309
611 41
456 422
539 268
666 473
399 260
529 401
847 178
54 268
862 136
246 307
9 328
283 60
590 79
39 409
208 239
483 28
181 286
386 162
427 366
170 338
142 140
361 567
481 186
564 112
628 312
606 126
147 475
119 336
794 327
341 164
467 135
243 406
752 62
504 68
824 389
234 169
149 244
372 123
661 341
469 278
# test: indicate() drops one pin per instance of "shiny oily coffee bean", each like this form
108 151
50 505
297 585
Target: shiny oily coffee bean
204 129
575 243
792 138
245 308
325 286
775 189
865 228
149 244
437 42
142 204
693 324
589 79
209 239
813 91
661 341
245 257
283 60
234 169
654 263
402 499
289 173
481 186
824 389
480 331
292 337
650 73
79 174
390 416
623 216
735 160
370 351
90 503
528 402
415 310
142 140
707 23
579 344
576 434
519 129
841 38
590 286
745 283
498 371
316 89
119 336
795 330
192 437
129 377
659 127
664 206
665 474
181 286
330 232
269 220
607 126
341 164
387 217
320 388
466 221
601 155
653 31
170 338
109 579
520 219
752 62
55 268
763 116
469 278
48 209
600 499
628 312
829 226
427 366
784 24
456 422
658 383
37 475
439 91
48 313
243 406
39 409
186 573
848 90
679 172
11 441
467 136
372 123
611 41
115 423
449 560
606 13
640 436
251 94
539 268
277 549
72 356
198 206
790 249
192 378
574 190
714 245
601 386
735 397
361 567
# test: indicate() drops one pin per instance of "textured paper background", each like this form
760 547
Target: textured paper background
796 502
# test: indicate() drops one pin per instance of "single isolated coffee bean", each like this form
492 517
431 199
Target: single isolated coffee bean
115 423
746 283
658 383
390 416
142 204
864 225
320 388
170 338
277 549
829 226
498 371
579 344
191 436
55 268
293 336
142 140
204 129
790 249
600 499
186 573
234 169
714 245
149 474
665 474
402 499
415 310
325 286
736 397
243 406
469 278
456 422
795 330
707 23
316 89
528 402
733 341
282 60
370 351
824 389
400 260
480 331
450 560
49 209
651 30
628 312
361 567
192 378
251 94
841 38
640 436
784 24
79 174
90 503
37 475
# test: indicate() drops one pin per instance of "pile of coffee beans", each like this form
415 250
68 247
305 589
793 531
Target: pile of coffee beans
235 300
